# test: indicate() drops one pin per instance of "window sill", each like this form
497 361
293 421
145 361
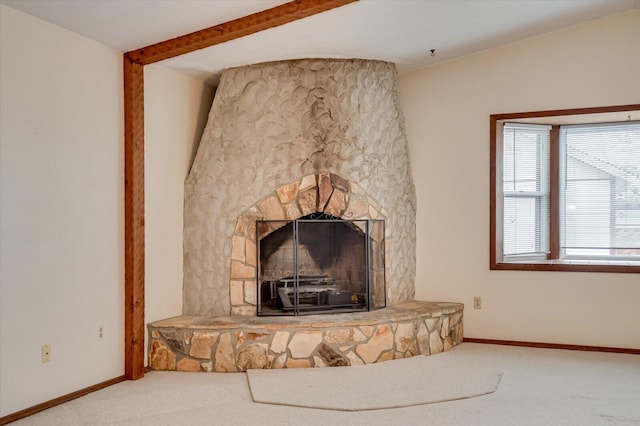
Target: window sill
566 265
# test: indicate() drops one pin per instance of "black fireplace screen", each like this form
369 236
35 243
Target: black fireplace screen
320 264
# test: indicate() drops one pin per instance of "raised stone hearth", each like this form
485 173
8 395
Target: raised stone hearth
238 343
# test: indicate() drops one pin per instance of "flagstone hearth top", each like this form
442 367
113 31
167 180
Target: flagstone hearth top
397 313
239 342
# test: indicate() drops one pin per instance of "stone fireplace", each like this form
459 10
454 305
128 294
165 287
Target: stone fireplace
285 140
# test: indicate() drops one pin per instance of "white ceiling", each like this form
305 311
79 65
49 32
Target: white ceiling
400 31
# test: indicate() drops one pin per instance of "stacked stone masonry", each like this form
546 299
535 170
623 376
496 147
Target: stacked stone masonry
238 343
323 192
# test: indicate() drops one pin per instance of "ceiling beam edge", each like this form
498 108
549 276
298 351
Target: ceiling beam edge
232 30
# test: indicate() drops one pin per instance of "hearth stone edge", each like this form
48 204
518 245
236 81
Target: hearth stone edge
238 343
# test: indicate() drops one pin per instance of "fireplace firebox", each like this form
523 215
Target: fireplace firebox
320 264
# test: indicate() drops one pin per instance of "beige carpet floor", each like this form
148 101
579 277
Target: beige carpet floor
539 387
392 384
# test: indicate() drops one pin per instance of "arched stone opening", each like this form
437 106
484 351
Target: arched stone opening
324 193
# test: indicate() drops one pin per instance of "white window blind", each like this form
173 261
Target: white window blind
600 190
525 182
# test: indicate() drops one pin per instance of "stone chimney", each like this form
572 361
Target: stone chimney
273 128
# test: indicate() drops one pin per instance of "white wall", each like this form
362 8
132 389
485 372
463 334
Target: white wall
62 205
447 110
61 217
176 108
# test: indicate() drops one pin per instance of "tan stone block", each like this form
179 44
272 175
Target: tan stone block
161 358
251 253
354 359
444 329
298 363
381 341
412 351
188 364
433 324
246 225
358 207
358 336
387 356
207 366
423 339
250 293
237 248
404 337
325 189
435 344
253 357
307 182
318 362
279 362
279 342
251 336
448 343
457 333
337 203
304 342
367 330
224 356
250 227
239 338
292 211
239 270
339 335
287 193
373 213
308 202
271 208
275 326
376 233
319 324
236 292
201 344
340 183
455 318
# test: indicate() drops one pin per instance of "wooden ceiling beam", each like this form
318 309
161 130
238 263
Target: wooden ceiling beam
231 30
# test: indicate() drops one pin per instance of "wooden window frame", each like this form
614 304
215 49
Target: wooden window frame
133 69
554 263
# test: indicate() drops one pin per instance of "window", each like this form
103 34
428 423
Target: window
565 190
525 183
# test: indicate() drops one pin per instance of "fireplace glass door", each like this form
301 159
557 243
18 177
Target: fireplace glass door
320 264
